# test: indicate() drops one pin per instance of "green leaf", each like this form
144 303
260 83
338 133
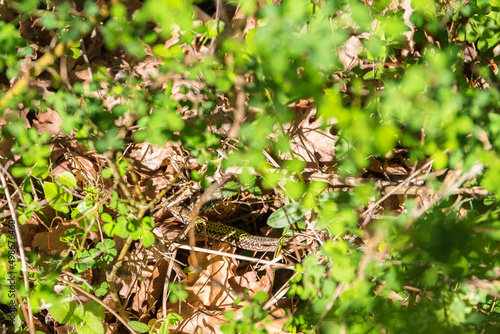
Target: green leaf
27 5
430 277
139 327
163 329
360 14
62 312
52 190
110 229
77 316
461 266
106 217
148 223
95 308
260 297
75 50
92 324
109 141
106 173
295 189
82 209
102 289
489 200
229 190
148 239
109 243
173 318
212 28
229 315
286 215
397 45
57 196
369 75
50 21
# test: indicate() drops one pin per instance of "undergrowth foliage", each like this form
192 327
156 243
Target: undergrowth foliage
376 122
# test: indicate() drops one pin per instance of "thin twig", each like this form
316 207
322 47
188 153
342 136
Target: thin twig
112 274
217 18
22 256
234 256
328 307
166 283
408 179
281 292
447 191
94 298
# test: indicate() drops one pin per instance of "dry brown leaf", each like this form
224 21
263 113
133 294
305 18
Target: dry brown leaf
7 13
49 121
309 141
273 323
150 287
64 329
150 157
42 86
195 320
210 287
132 272
252 282
148 69
50 243
32 30
202 323
215 288
280 317
387 166
31 228
84 169
109 302
94 44
392 203
110 328
64 166
82 72
348 53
